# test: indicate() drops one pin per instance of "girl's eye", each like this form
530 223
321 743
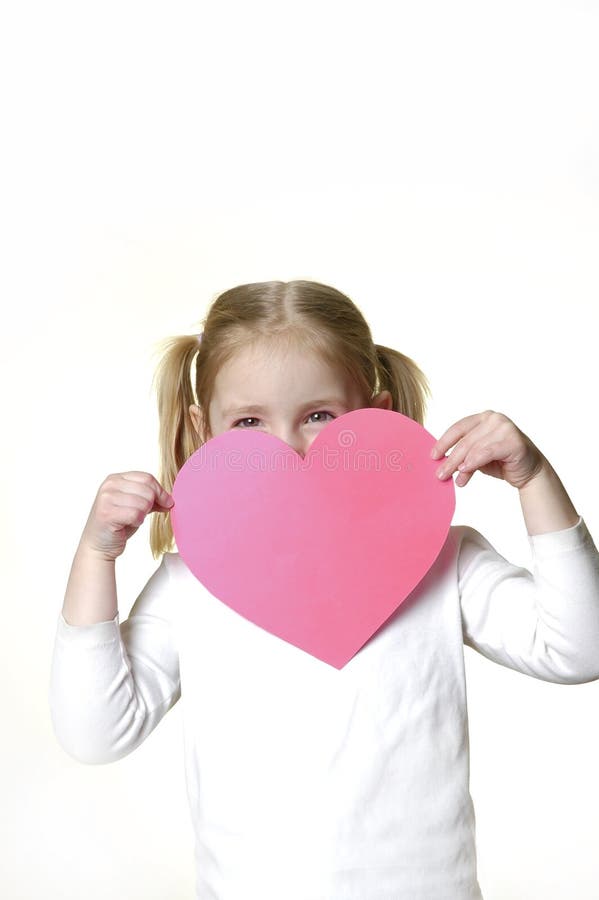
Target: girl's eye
321 412
254 419
248 419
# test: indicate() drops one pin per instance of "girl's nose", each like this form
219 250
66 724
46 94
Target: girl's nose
297 441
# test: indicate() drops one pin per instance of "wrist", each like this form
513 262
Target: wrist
89 552
543 474
545 503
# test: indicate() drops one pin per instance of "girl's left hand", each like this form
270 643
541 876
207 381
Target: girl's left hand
491 442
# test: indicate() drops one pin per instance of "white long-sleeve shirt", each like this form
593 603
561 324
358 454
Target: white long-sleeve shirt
311 783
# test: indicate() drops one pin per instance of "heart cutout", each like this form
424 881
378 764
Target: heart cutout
320 550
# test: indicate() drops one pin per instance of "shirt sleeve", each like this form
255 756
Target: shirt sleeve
544 623
111 683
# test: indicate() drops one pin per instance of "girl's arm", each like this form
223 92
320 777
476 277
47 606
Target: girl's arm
111 683
546 622
90 596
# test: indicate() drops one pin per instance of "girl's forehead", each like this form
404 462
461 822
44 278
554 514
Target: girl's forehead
263 359
291 372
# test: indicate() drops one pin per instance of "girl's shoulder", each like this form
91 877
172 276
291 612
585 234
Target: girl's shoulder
174 566
458 534
172 561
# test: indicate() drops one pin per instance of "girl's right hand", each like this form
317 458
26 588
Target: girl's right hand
122 503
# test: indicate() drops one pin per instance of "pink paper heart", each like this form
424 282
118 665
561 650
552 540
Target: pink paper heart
320 550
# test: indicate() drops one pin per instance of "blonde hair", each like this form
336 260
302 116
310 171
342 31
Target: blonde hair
313 316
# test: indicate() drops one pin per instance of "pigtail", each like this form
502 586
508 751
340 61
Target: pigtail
407 383
177 436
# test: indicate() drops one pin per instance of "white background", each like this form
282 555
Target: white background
436 161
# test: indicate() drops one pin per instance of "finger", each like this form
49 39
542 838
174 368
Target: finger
455 459
143 478
463 478
142 504
163 502
125 493
131 501
468 448
480 456
154 492
454 433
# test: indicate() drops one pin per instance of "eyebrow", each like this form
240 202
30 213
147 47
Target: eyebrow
255 408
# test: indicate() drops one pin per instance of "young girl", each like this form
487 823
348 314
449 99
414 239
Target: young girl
307 782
